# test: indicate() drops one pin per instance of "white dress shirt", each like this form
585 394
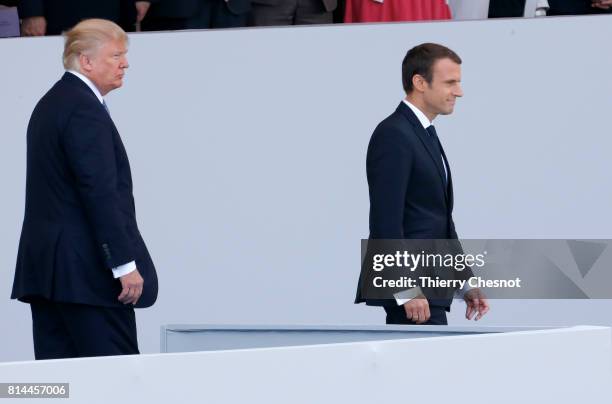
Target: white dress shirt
130 266
426 124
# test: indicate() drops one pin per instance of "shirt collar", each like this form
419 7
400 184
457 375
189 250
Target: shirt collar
419 114
89 83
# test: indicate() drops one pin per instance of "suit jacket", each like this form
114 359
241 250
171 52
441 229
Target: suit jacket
330 5
62 15
80 218
409 195
189 8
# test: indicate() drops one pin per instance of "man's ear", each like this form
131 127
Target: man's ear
419 83
85 62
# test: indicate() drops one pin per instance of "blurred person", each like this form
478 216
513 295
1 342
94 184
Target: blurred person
82 264
396 10
52 17
579 7
339 12
196 14
9 20
517 8
409 178
506 8
602 4
292 12
530 8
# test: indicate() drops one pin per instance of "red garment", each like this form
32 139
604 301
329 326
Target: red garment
396 10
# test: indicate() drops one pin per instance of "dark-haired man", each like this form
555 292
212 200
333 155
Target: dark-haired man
409 177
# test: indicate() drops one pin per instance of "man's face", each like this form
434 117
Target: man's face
439 96
106 67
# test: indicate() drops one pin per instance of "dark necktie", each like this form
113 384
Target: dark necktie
433 135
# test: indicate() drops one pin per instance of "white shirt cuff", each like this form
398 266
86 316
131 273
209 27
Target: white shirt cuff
407 295
124 269
460 293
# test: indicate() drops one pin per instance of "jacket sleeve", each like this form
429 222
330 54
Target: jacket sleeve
30 8
90 151
388 165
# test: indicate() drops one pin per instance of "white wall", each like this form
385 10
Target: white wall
248 156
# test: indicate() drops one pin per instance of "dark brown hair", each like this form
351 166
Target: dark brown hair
420 60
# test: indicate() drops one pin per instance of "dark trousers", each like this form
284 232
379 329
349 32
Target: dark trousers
68 330
210 14
397 315
291 12
506 8
163 24
216 14
339 12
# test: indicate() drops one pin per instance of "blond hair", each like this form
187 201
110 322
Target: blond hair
87 37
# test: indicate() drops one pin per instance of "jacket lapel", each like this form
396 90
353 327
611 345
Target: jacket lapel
424 137
120 148
75 81
449 187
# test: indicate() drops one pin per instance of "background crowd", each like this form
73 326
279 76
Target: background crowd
52 17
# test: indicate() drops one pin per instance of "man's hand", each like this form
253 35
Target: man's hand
417 309
142 7
131 285
476 303
33 26
602 4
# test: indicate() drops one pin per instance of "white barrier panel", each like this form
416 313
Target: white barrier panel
556 366
210 337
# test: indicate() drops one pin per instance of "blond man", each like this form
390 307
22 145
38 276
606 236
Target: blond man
82 264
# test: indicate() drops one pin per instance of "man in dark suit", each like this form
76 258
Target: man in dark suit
409 178
82 264
52 17
293 12
196 14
